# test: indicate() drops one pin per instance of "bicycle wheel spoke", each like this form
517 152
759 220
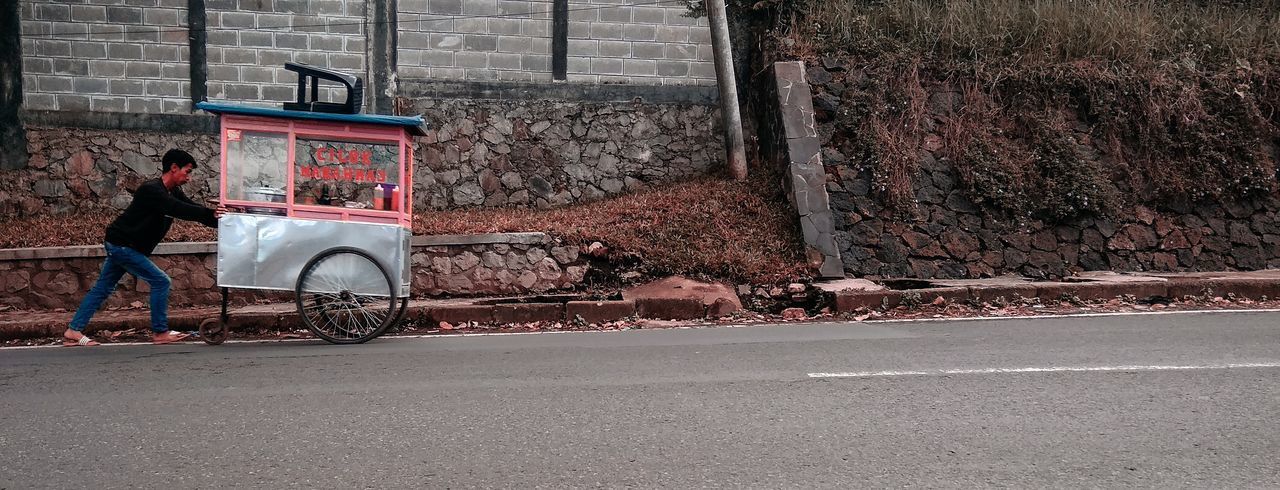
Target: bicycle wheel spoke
368 317
346 296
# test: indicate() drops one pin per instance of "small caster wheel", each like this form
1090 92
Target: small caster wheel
213 331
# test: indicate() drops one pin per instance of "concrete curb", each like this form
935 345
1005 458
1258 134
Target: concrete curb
284 317
1252 285
856 295
599 311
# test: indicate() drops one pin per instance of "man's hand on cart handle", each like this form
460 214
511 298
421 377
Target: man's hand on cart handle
219 208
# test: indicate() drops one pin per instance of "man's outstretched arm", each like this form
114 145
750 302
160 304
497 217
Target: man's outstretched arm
178 208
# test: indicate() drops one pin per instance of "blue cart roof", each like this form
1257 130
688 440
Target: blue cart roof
415 124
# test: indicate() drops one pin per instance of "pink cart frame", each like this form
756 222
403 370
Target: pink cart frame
355 132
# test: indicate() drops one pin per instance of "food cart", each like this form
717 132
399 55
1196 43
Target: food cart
322 205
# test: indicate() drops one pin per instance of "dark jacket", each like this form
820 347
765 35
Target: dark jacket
144 223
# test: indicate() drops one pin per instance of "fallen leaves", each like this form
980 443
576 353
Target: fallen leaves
705 226
794 314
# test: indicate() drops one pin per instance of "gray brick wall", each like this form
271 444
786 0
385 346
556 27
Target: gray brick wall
105 55
475 39
249 42
635 41
132 55
610 41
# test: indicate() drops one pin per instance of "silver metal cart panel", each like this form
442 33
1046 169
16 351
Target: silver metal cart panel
268 252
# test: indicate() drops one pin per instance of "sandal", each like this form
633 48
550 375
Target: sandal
84 340
168 337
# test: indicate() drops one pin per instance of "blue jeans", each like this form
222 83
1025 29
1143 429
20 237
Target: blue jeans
119 261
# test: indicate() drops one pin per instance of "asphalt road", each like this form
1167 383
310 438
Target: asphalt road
1185 400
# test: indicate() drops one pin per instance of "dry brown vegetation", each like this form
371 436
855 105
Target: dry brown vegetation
708 227
1184 96
82 229
1038 32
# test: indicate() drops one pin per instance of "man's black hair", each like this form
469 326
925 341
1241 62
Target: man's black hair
176 157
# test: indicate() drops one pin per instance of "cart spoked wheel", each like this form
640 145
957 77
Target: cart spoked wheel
404 305
345 296
213 331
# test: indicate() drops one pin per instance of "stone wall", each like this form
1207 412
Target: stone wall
507 263
515 263
539 153
128 75
477 153
944 235
790 143
78 170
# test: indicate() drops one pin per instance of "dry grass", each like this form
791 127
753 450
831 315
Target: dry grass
1051 31
704 227
83 229
898 134
1183 96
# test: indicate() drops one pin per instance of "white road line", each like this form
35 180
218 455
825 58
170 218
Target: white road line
1067 315
1051 369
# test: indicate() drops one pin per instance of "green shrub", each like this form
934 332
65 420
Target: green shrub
989 181
1068 185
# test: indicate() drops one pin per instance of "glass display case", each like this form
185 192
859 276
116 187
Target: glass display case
316 169
347 173
260 170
